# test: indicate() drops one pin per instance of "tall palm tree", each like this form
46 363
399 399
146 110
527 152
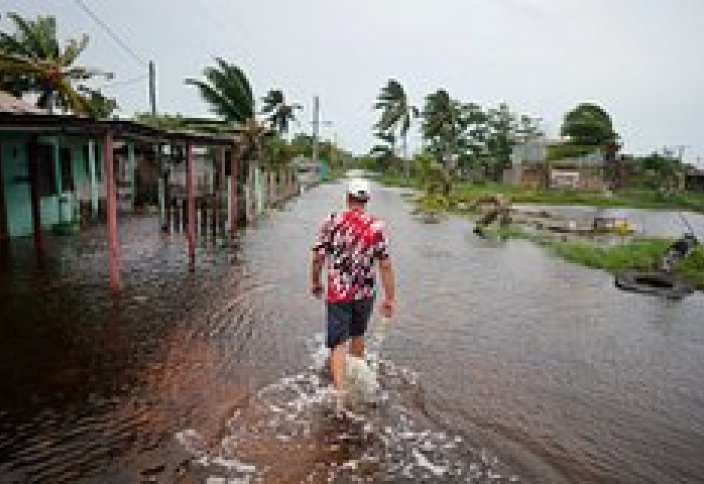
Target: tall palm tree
443 124
227 90
396 114
279 113
32 61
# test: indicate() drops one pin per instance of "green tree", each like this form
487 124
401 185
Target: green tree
302 144
98 105
227 91
279 113
33 61
443 126
502 137
384 153
396 114
588 124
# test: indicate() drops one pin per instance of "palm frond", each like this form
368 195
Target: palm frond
73 50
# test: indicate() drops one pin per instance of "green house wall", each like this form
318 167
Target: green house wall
15 166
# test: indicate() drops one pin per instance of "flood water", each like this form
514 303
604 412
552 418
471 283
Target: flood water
649 223
504 364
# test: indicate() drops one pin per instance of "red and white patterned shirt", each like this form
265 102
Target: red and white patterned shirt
351 242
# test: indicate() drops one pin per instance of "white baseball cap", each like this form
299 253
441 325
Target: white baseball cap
358 188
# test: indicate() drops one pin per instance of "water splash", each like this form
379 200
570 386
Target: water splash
291 430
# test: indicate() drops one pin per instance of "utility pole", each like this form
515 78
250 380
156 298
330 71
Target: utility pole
316 127
152 87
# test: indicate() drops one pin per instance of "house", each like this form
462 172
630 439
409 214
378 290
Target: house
58 172
52 165
309 172
531 167
694 179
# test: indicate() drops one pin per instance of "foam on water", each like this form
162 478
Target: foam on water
291 430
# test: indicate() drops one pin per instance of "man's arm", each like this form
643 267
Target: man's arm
388 306
316 271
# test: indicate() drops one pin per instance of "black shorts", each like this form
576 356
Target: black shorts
348 319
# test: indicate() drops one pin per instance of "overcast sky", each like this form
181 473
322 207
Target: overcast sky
643 60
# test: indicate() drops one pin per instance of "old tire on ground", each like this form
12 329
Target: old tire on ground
654 283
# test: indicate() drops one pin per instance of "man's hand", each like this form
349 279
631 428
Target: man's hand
316 289
388 308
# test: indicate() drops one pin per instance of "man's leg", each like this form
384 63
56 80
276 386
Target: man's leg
339 317
361 313
337 366
357 346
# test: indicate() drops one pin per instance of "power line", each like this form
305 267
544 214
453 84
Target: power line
111 32
131 80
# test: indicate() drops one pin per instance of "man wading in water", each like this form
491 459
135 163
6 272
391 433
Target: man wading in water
351 242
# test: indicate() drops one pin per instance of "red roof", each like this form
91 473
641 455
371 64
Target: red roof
12 104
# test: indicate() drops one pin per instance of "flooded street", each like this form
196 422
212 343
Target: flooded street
503 364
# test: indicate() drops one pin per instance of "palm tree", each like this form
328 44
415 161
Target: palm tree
32 61
279 113
396 114
385 154
98 105
443 124
228 92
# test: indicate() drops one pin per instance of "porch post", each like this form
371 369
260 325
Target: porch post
59 177
34 192
161 188
111 196
3 209
131 173
191 205
220 174
233 192
93 178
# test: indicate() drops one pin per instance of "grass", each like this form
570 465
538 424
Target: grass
637 254
334 174
632 198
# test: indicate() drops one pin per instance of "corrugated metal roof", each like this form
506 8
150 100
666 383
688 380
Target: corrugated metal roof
12 104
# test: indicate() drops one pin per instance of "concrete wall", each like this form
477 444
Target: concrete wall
56 208
16 179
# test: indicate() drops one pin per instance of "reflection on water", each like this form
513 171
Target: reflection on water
503 363
651 223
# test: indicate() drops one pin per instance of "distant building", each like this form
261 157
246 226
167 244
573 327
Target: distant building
531 168
694 180
309 172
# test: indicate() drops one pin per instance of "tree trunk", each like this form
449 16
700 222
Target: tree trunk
406 162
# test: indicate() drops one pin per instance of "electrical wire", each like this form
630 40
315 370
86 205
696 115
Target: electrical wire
111 32
131 80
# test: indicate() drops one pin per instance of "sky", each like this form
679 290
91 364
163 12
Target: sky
642 60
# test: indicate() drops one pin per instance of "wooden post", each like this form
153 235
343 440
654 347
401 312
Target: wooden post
233 192
94 196
219 175
176 216
3 209
191 205
111 195
34 192
131 173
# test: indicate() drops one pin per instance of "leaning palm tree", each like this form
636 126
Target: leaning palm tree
396 114
279 113
228 92
443 124
32 61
